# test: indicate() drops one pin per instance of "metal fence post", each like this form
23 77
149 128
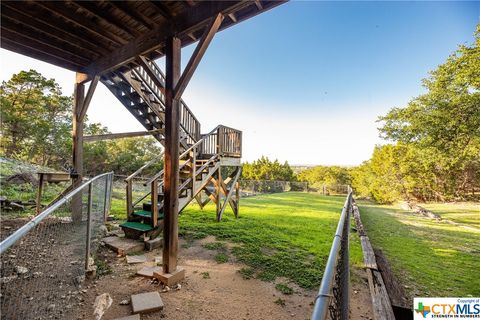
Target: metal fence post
89 222
105 200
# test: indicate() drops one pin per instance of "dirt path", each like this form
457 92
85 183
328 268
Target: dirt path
223 294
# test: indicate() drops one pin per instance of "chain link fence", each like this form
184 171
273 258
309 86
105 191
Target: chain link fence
44 261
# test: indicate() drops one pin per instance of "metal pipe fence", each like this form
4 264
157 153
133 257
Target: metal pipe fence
333 296
44 261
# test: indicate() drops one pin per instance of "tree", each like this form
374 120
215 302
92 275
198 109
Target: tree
35 119
325 175
437 136
37 126
264 169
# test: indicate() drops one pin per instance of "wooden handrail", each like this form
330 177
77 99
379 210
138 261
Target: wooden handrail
149 163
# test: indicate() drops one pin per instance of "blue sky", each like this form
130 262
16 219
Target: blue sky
307 80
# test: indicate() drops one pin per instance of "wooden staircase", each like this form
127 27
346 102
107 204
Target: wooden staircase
141 90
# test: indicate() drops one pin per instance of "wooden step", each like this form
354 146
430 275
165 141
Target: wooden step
147 214
137 226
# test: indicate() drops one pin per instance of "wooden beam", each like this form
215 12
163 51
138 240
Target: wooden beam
232 17
91 8
45 27
38 43
81 77
38 54
229 195
197 55
132 13
162 9
172 148
258 4
110 136
50 25
187 22
88 97
59 9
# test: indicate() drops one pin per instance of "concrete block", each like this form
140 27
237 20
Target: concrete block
146 302
148 271
132 317
170 279
123 246
153 244
136 259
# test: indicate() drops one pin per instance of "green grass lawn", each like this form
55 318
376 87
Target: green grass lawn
278 235
431 258
467 213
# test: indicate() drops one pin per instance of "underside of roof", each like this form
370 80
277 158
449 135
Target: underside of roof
96 36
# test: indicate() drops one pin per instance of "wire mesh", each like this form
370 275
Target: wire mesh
338 307
43 273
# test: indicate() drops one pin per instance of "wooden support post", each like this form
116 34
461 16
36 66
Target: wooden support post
129 192
237 194
39 193
80 107
171 177
77 135
218 192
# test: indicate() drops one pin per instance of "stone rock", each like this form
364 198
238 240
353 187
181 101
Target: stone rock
8 279
21 270
102 303
124 302
103 230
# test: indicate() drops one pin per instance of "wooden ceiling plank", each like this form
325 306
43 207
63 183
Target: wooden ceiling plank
20 17
34 42
258 4
81 22
197 55
35 36
132 13
50 26
187 22
162 9
36 53
108 19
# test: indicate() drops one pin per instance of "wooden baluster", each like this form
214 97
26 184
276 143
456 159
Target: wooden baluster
154 202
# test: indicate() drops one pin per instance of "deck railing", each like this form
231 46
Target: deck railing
223 141
188 122
333 297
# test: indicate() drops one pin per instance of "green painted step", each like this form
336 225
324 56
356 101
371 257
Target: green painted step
137 226
147 214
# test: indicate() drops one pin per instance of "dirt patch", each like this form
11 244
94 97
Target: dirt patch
211 290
